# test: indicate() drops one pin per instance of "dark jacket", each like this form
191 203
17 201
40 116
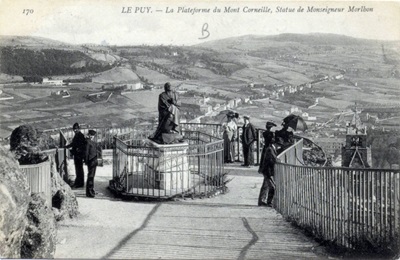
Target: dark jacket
268 135
284 137
249 134
268 162
91 151
78 145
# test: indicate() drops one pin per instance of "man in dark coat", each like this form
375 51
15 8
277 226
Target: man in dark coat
249 135
168 113
78 145
91 162
267 168
284 138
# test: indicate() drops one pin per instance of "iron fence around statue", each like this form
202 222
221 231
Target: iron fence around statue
104 135
192 168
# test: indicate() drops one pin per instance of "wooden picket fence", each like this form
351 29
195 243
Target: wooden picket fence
347 206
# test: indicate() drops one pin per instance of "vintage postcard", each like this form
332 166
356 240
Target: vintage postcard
173 123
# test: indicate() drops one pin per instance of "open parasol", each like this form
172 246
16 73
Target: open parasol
222 115
296 122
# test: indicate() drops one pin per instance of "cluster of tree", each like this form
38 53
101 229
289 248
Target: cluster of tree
149 51
145 80
180 73
133 64
79 80
302 98
33 79
220 67
269 53
46 62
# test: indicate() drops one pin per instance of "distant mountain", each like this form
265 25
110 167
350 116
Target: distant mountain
254 42
33 42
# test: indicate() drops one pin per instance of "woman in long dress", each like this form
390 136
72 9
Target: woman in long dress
229 135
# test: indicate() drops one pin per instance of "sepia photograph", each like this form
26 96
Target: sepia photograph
200 129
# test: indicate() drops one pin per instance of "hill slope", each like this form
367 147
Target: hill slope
117 75
255 42
33 42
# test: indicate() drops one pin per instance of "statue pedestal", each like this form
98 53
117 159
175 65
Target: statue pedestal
169 168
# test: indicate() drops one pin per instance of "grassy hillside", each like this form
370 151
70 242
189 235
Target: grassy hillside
46 62
31 42
116 75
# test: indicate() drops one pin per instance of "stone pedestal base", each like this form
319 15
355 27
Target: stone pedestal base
170 167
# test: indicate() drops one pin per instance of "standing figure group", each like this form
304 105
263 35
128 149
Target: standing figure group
85 150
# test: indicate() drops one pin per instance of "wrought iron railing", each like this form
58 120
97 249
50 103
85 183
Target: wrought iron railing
343 205
346 206
105 135
142 168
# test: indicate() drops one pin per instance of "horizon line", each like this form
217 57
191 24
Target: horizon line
194 44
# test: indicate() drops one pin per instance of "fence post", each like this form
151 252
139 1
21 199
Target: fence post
238 143
258 147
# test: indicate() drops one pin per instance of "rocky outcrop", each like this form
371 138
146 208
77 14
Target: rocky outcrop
14 201
30 232
64 200
27 146
39 240
24 143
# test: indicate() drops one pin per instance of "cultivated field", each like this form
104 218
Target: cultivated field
223 67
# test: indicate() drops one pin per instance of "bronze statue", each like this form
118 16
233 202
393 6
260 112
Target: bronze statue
168 117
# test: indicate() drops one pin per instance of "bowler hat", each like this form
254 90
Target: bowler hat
92 132
246 117
76 126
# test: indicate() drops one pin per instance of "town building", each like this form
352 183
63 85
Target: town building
134 86
60 94
330 145
56 82
281 113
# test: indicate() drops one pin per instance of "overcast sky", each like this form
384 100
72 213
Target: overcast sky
101 21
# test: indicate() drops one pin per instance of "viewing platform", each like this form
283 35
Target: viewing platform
228 226
194 206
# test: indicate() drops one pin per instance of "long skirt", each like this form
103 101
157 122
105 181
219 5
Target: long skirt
229 148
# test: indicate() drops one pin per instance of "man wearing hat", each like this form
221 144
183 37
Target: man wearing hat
78 145
91 162
249 135
268 135
267 168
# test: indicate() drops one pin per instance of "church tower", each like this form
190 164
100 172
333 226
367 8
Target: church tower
355 153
